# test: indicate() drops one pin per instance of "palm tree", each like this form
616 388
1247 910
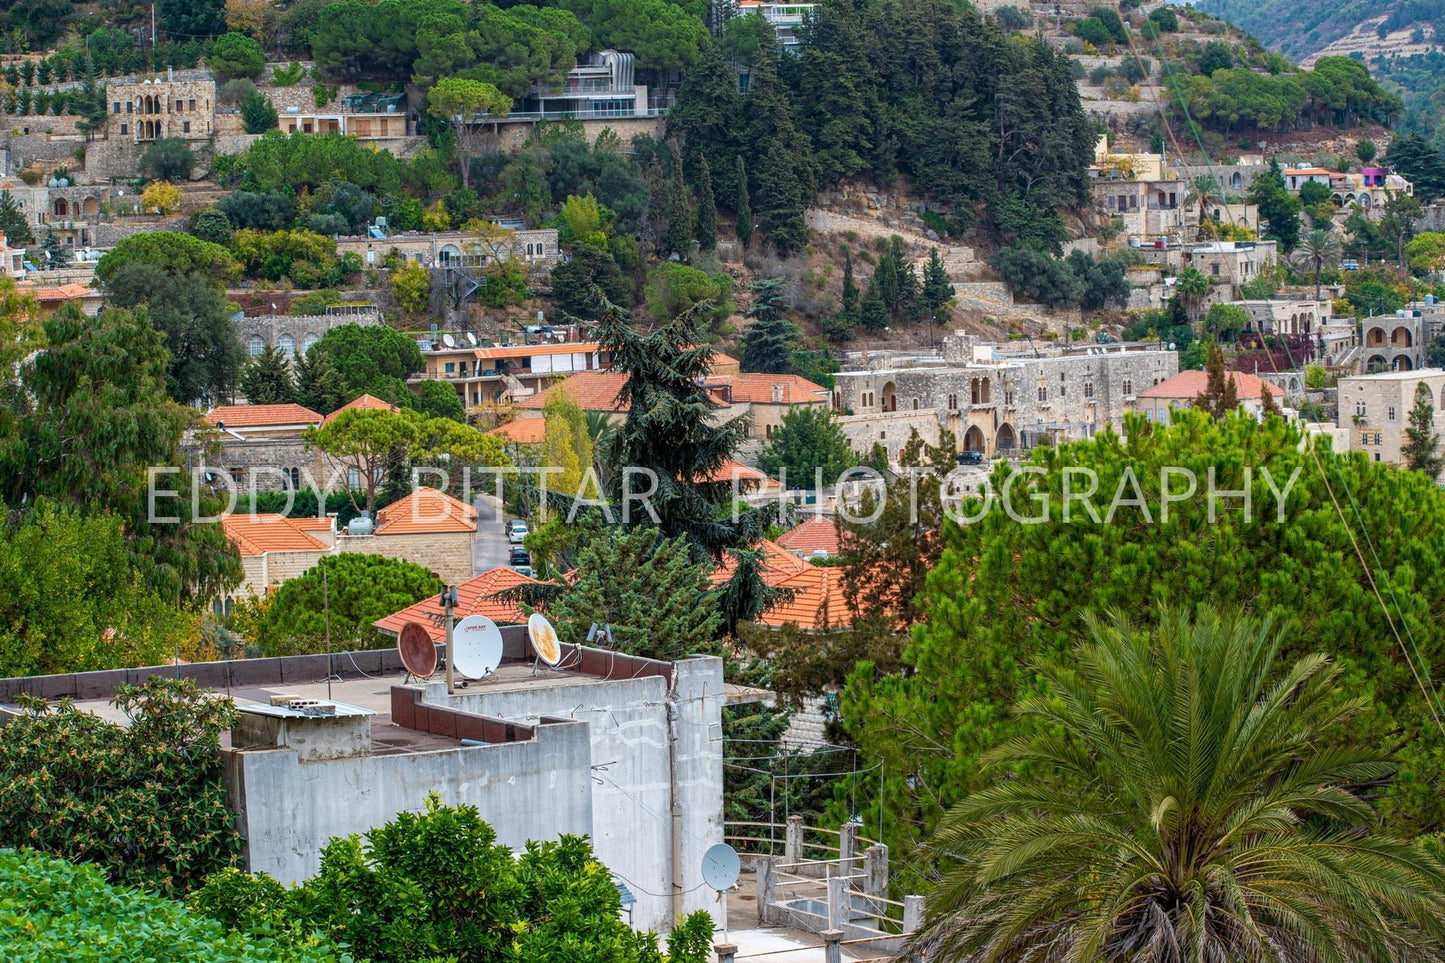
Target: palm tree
1184 797
1320 249
603 431
1193 287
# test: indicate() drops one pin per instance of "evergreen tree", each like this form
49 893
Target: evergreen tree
873 314
54 254
266 380
706 119
1278 208
785 171
13 223
678 237
318 383
848 306
885 279
1421 450
937 287
910 291
1220 397
744 207
1267 405
770 340
705 230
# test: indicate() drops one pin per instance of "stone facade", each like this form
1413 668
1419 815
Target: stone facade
449 554
890 429
1375 409
1397 342
296 333
1000 403
148 110
1146 207
258 572
262 465
1289 315
436 249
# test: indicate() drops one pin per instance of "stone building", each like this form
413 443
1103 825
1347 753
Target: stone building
1289 315
147 110
443 248
999 400
1375 408
296 333
1181 391
1398 342
493 374
275 549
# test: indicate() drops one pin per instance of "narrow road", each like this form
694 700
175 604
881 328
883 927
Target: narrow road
489 548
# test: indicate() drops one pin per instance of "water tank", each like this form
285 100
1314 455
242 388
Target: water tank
361 525
1429 299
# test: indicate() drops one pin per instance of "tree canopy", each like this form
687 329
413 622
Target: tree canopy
343 595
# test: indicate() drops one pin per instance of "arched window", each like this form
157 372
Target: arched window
310 339
287 345
255 345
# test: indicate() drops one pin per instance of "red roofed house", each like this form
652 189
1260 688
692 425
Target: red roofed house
52 297
275 548
261 448
471 600
370 402
521 431
817 533
428 527
1181 390
767 397
817 601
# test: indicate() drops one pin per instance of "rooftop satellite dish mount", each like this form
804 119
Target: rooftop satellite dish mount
544 641
418 651
720 869
478 647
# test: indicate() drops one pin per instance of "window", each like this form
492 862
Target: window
287 345
185 127
1361 410
451 367
953 402
1128 386
124 129
915 404
1043 393
255 345
353 478
311 338
130 107
1392 413
115 107
1088 389
191 106
178 106
1214 269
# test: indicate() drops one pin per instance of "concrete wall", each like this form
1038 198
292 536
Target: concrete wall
537 789
449 554
657 804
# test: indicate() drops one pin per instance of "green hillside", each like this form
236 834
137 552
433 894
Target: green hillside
1401 41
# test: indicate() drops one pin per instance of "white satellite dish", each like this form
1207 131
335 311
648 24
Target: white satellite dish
720 867
476 647
449 341
544 639
471 339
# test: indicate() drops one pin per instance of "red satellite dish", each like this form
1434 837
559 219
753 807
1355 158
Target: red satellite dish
418 651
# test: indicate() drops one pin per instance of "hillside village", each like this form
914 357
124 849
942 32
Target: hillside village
653 481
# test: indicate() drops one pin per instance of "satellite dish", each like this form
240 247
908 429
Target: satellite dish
476 646
471 339
418 651
449 341
544 639
720 867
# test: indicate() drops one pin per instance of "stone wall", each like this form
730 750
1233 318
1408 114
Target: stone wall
449 554
257 464
891 429
304 330
260 572
512 135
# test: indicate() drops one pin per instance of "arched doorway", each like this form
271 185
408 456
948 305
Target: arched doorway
973 439
1402 363
1005 439
890 397
62 207
1401 338
1375 364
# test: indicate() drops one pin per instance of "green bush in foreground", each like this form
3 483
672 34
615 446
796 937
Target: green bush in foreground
51 910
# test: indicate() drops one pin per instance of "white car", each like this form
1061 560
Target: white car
516 531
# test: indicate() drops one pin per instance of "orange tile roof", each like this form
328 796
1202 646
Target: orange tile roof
537 350
1306 170
817 601
471 600
56 292
521 431
310 523
363 401
779 564
261 416
1188 385
590 390
426 511
757 389
747 479
255 535
817 532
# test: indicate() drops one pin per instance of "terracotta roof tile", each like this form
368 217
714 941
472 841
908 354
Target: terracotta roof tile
747 479
255 535
590 390
364 401
471 600
815 533
1188 385
779 564
261 416
521 431
759 389
426 511
817 601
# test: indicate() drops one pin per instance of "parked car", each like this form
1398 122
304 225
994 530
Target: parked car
970 458
523 570
516 531
520 557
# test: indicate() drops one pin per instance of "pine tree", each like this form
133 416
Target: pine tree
1220 396
873 314
267 379
55 254
1267 404
910 291
318 383
937 287
677 239
705 229
744 208
784 176
13 223
769 342
1421 450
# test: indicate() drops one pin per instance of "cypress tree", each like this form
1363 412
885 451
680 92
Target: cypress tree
1220 396
677 239
1422 447
874 313
745 209
937 288
910 291
785 169
849 306
267 379
769 343
705 229
885 280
